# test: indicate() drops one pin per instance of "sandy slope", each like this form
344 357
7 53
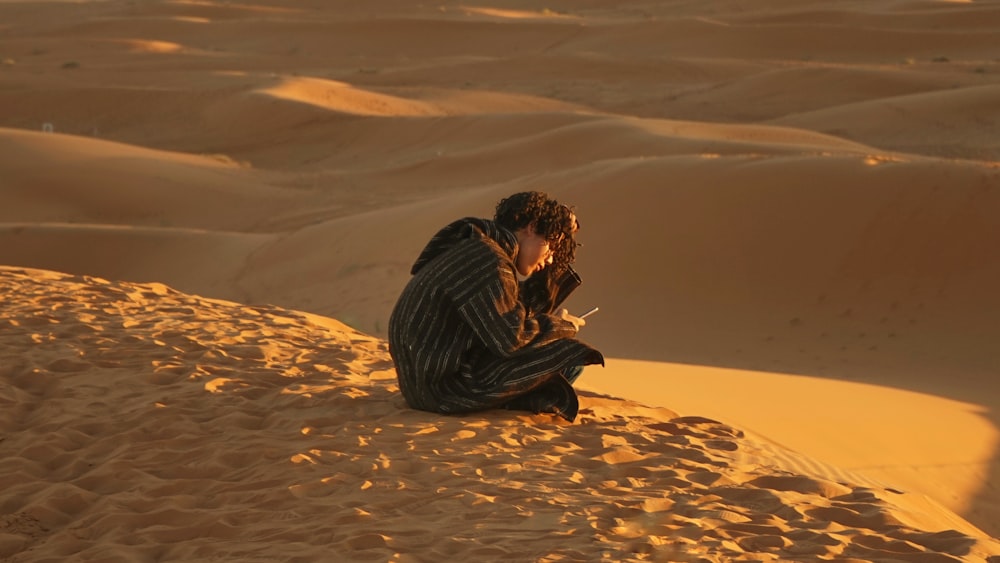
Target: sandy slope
797 192
140 422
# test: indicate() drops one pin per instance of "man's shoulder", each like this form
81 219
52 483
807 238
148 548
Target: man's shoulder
466 229
481 237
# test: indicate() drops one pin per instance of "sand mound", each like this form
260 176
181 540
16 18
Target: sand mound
50 177
143 422
950 123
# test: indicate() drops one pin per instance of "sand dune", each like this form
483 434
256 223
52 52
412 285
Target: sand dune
955 123
51 178
343 98
903 453
194 258
789 219
144 422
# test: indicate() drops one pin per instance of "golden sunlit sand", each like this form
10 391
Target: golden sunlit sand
144 422
790 223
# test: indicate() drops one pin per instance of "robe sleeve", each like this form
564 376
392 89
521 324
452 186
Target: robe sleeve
483 288
545 291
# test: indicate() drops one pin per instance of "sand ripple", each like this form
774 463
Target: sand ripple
141 423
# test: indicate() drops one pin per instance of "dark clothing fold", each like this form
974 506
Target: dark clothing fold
465 335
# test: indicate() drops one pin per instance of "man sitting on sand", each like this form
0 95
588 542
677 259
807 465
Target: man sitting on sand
466 335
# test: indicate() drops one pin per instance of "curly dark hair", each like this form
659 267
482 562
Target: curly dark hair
550 219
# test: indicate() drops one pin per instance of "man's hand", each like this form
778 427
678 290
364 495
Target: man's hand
577 321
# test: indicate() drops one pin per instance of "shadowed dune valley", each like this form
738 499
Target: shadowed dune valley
790 220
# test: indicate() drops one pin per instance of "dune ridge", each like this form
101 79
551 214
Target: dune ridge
144 422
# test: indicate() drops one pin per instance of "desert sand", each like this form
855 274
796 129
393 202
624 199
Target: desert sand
790 223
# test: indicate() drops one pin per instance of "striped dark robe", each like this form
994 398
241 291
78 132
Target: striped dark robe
465 335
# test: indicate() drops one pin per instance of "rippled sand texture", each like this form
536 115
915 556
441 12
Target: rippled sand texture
144 423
